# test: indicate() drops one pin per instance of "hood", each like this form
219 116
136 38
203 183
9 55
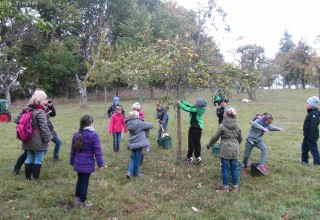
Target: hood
133 124
313 109
230 122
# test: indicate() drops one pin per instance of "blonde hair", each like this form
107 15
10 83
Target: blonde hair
37 97
230 112
118 107
136 105
133 114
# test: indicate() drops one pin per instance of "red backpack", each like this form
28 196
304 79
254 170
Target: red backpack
24 129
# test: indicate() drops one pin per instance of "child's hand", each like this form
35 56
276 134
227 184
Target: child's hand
178 101
281 129
266 130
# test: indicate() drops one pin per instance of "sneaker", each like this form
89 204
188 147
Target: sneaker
15 171
235 189
86 205
129 176
244 170
263 169
77 201
189 160
303 163
222 189
198 161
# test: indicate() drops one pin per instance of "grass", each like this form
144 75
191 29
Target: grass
168 191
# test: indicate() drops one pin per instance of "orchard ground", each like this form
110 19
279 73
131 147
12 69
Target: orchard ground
168 191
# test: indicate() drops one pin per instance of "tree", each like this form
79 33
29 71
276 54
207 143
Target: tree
251 59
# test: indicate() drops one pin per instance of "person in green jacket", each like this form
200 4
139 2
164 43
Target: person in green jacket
230 134
196 126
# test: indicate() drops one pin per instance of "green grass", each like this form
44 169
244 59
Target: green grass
168 191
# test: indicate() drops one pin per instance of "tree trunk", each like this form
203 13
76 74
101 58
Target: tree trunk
105 102
117 90
7 95
83 93
303 83
319 84
152 92
179 138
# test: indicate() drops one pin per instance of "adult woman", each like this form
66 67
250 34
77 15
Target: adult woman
38 145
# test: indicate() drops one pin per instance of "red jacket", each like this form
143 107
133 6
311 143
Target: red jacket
116 123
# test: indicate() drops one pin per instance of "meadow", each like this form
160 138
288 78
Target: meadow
168 190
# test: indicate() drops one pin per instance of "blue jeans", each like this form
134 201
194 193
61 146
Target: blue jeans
35 156
312 146
231 165
82 186
57 146
116 140
134 163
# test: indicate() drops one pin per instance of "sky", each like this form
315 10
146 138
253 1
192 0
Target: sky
263 22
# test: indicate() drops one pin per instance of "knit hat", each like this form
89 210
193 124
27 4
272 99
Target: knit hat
201 102
133 114
116 99
136 105
313 101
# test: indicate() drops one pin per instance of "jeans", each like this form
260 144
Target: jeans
56 139
312 146
231 165
194 144
248 148
134 163
35 156
20 161
116 140
82 186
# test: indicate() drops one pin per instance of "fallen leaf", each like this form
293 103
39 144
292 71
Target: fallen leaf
195 209
116 168
189 176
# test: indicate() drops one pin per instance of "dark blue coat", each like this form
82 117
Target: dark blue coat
310 125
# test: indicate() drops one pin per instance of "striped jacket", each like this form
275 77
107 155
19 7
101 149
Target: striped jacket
84 161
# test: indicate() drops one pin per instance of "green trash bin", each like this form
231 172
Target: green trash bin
3 105
165 142
216 150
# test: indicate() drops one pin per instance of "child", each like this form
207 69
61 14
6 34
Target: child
115 127
254 139
216 100
196 126
137 107
163 118
221 108
230 134
137 140
85 149
311 132
112 108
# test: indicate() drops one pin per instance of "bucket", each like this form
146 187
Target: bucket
165 142
216 150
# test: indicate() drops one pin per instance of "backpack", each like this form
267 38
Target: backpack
258 116
24 129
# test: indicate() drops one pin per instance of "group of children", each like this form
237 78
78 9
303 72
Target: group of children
86 146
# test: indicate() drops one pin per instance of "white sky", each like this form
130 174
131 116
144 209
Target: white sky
263 22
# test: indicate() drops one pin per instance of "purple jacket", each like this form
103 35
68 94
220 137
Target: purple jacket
84 161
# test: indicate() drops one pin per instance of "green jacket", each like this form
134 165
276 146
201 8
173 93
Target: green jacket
195 114
231 137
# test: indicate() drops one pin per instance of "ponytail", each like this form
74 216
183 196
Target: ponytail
85 121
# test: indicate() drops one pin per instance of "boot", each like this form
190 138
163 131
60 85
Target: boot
28 170
36 171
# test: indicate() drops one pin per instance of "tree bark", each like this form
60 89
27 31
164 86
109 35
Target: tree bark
152 92
83 93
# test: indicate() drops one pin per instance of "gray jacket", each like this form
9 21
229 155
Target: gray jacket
231 137
137 133
256 132
42 134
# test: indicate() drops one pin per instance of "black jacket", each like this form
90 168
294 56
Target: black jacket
112 108
220 112
310 125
